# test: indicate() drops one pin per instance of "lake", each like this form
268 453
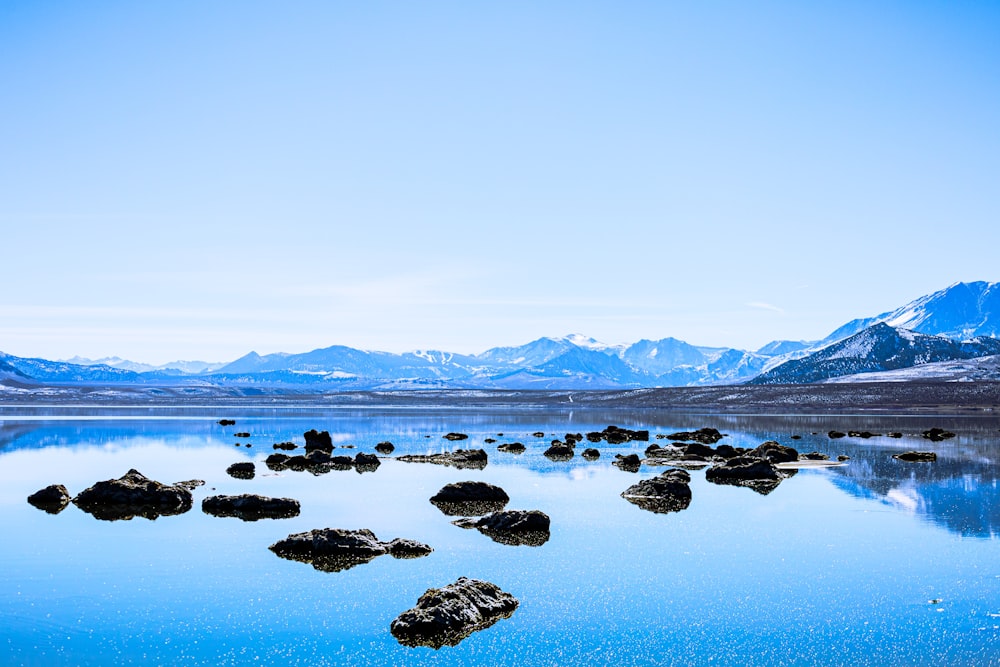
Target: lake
876 562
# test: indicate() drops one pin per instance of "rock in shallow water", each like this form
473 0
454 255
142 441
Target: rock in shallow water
52 499
445 616
244 470
250 507
460 458
132 495
336 549
916 457
470 499
669 492
512 527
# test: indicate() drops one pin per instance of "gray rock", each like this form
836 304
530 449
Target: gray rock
250 507
132 495
668 492
445 616
335 549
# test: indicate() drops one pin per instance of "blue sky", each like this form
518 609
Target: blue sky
193 180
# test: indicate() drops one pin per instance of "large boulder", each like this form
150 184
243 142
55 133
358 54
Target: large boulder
470 499
460 458
445 616
668 492
318 440
250 507
512 527
52 499
336 549
132 495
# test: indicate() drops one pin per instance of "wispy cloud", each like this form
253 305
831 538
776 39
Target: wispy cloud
766 306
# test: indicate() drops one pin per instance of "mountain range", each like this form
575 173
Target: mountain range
958 323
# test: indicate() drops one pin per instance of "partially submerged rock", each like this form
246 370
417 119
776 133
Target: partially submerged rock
52 499
512 527
937 434
336 549
244 470
916 457
460 458
754 473
318 441
385 448
319 462
227 422
773 452
627 462
511 448
132 495
813 456
455 436
470 499
591 454
706 436
668 492
615 435
190 484
834 435
250 507
559 451
445 616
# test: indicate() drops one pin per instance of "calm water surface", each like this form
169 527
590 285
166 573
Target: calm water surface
835 566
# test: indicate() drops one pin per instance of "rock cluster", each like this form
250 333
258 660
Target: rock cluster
319 462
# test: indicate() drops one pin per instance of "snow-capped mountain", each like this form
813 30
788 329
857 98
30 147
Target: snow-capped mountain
880 347
960 311
923 331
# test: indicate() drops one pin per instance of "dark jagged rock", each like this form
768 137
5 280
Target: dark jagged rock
385 448
753 473
627 462
366 462
318 440
573 438
512 527
916 457
862 434
277 462
894 434
446 616
286 446
460 458
132 495
773 452
559 452
190 484
937 434
52 499
706 436
250 507
244 470
699 449
470 499
728 451
227 422
335 549
668 492
591 454
833 435
455 436
511 448
814 456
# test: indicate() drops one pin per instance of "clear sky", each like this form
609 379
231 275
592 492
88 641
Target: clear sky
198 179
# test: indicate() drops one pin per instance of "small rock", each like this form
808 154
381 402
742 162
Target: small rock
460 458
772 452
894 434
318 440
470 499
385 448
668 492
814 456
843 457
241 435
591 454
250 507
937 434
52 499
834 435
706 436
227 422
455 436
627 462
286 446
559 452
335 549
538 434
916 457
512 527
244 470
511 448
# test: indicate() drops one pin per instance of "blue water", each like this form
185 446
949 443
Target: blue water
836 566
